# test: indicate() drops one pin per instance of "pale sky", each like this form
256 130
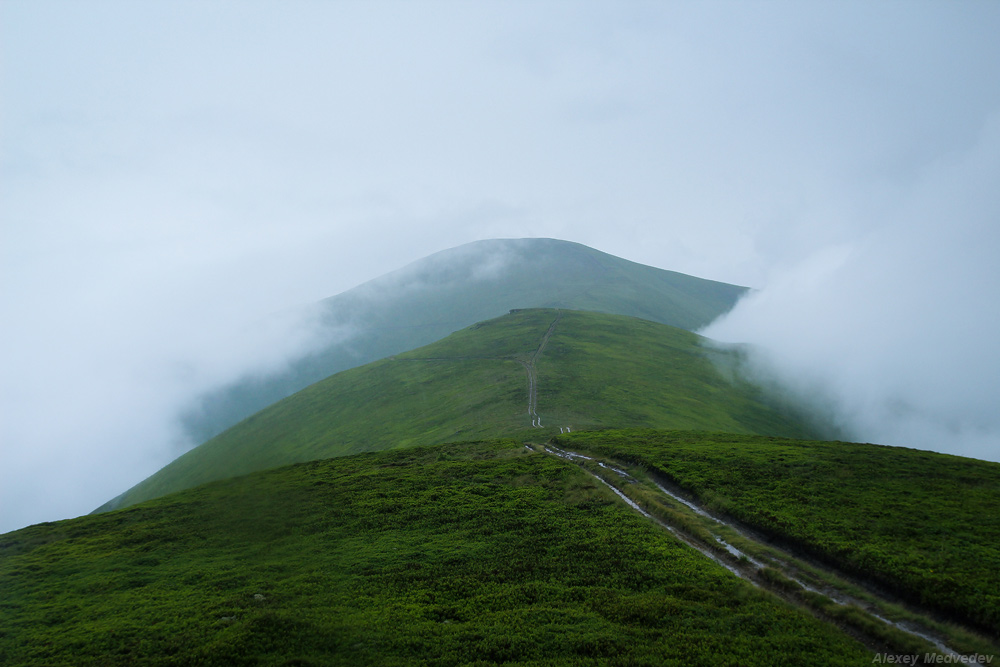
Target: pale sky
172 171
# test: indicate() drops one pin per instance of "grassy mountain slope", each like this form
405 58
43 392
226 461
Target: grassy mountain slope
593 371
458 554
455 288
922 524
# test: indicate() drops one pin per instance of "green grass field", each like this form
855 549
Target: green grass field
465 554
922 524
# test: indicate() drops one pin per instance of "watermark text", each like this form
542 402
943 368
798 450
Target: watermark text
932 659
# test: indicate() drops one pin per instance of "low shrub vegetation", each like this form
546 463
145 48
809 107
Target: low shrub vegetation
482 553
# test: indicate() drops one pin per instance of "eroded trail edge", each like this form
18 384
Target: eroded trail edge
879 622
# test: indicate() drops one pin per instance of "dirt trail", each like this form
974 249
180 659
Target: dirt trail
529 366
766 555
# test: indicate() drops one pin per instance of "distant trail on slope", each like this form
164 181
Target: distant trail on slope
529 366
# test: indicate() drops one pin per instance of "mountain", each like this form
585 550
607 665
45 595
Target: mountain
453 289
530 373
486 499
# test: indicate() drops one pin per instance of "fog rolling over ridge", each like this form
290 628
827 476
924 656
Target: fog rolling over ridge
589 370
452 289
896 336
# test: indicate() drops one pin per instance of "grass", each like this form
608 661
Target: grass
480 553
595 371
613 372
921 524
446 292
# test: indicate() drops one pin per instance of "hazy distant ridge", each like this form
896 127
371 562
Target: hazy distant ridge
455 288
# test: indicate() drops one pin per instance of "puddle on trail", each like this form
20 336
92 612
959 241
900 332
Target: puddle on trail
567 455
836 596
617 470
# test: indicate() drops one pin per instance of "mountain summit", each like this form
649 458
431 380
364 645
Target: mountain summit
449 290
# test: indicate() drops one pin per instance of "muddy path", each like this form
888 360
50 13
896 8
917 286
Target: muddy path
821 589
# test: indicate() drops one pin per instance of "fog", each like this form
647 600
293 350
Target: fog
894 335
174 174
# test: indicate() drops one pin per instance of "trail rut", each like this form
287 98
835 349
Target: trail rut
754 567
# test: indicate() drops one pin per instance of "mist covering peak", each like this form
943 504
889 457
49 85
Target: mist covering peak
454 288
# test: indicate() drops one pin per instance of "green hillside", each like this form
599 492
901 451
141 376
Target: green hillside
921 524
472 554
453 289
588 370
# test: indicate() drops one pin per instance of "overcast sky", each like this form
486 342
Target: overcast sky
172 171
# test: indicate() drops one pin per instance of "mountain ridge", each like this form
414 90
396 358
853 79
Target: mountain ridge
519 375
454 288
476 501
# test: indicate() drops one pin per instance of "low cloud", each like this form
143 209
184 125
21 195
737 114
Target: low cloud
894 336
467 263
283 354
97 375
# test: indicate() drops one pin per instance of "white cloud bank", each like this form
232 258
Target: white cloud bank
898 334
